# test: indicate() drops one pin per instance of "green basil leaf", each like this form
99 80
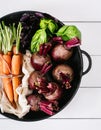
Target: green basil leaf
39 37
68 32
48 24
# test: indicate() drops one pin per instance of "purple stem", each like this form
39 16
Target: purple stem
41 49
46 48
47 111
73 42
56 39
46 68
46 107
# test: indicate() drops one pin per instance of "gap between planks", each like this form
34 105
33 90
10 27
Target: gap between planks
59 119
81 21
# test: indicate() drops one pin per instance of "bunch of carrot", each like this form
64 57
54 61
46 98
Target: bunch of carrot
10 60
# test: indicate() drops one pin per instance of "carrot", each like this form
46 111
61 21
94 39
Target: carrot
6 42
7 85
0 64
16 81
16 64
16 71
7 82
9 53
14 49
6 64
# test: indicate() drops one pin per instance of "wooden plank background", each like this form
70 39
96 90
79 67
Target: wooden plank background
84 111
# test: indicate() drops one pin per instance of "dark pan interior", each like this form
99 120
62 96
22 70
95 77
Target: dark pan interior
75 62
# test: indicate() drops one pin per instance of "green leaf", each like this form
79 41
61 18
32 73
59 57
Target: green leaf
18 36
8 35
48 24
39 37
68 32
52 26
62 30
0 41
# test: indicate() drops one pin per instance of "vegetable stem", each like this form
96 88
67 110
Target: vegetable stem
19 28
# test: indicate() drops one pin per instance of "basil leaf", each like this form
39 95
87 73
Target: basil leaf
39 37
68 32
48 24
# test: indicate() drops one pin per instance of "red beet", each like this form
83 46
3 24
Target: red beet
40 59
37 80
34 101
37 103
54 93
60 53
63 74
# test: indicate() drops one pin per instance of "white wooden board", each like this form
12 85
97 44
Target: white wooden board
84 111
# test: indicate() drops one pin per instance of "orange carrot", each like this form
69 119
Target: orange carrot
16 81
16 64
7 85
6 64
0 64
9 53
7 82
14 49
16 71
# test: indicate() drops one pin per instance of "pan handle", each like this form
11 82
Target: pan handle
89 60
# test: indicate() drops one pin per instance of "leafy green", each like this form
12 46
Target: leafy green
68 32
8 35
0 41
48 27
39 37
18 36
48 24
3 38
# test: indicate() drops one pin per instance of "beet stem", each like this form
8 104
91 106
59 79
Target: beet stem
41 49
46 107
47 111
47 47
56 39
46 68
73 42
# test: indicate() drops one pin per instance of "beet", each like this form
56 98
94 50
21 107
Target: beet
60 53
54 93
34 100
37 80
63 74
37 103
41 58
38 61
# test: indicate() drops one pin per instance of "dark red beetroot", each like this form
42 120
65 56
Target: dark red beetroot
61 53
40 59
37 103
63 74
34 101
51 91
55 92
38 81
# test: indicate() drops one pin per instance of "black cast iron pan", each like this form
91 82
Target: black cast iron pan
76 62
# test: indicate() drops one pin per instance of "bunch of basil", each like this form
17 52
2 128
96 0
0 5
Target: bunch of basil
48 28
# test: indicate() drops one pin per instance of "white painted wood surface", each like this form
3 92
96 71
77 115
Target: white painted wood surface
84 111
